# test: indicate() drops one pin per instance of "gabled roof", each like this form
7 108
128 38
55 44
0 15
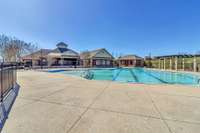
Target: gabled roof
85 55
61 50
38 54
64 51
129 57
93 53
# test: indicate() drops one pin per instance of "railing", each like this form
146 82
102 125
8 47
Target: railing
8 78
88 74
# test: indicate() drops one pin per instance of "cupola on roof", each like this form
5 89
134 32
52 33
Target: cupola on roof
62 45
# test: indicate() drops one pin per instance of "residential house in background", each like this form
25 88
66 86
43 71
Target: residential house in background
130 61
61 56
96 58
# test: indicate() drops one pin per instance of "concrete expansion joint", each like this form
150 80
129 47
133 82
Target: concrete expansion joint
157 109
86 110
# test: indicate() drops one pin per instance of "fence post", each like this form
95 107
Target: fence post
1 82
16 68
12 68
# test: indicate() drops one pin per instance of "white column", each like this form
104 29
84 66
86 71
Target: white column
164 63
176 63
33 63
195 64
170 63
159 64
183 64
61 61
91 62
49 61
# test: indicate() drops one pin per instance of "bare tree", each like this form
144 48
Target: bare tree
3 40
32 48
12 49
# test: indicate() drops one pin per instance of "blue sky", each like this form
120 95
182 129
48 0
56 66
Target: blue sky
139 27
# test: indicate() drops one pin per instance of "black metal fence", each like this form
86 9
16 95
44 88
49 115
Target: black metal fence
8 78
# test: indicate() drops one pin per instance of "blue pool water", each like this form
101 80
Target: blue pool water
135 75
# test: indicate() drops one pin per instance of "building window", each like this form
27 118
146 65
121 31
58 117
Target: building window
108 62
98 62
103 62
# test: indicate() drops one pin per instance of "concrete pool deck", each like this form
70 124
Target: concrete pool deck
55 103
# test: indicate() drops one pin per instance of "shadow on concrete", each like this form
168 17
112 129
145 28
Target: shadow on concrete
7 104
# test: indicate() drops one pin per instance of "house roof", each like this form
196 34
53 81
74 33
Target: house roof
61 50
129 57
38 54
64 51
85 55
93 53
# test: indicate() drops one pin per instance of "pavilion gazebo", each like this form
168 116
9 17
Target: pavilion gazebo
184 62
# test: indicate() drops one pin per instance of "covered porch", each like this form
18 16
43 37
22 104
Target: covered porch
130 63
127 63
35 62
64 62
101 62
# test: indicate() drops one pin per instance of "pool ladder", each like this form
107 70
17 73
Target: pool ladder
88 74
198 81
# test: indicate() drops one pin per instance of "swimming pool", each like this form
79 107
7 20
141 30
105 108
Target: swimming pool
135 75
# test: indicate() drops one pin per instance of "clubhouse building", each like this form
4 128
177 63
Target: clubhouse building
96 58
65 57
61 56
130 61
